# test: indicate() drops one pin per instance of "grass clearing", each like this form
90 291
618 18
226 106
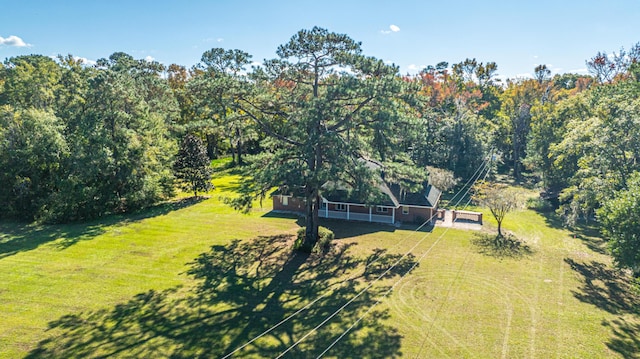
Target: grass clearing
199 280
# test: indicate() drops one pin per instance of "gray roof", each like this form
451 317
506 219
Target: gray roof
428 198
382 195
385 195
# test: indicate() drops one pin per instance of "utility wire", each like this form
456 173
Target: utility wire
324 295
425 338
478 172
376 279
384 295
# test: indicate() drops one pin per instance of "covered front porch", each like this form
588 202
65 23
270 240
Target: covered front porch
357 212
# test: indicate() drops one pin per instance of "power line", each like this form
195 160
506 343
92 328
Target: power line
375 280
425 338
484 163
347 280
352 299
326 294
384 295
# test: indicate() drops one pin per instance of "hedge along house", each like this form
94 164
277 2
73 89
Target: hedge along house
390 204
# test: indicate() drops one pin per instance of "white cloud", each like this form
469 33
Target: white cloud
13 41
149 58
392 28
219 39
413 69
84 60
554 70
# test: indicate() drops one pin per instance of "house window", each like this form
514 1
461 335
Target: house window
381 209
405 210
323 205
341 207
285 200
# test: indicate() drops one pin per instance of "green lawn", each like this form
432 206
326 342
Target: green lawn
196 279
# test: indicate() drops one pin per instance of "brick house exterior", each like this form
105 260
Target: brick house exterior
395 206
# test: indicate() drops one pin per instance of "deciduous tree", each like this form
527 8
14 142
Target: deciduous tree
499 198
599 150
620 220
33 153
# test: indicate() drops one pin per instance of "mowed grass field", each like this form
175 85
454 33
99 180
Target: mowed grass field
197 279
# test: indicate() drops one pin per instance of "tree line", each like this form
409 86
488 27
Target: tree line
79 141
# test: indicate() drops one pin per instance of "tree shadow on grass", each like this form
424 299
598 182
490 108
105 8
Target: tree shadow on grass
349 229
341 228
587 232
606 288
16 237
21 237
611 290
240 291
626 337
507 246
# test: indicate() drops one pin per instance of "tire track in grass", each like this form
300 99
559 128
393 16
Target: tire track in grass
536 296
559 331
447 296
429 319
407 318
401 312
507 294
410 300
507 330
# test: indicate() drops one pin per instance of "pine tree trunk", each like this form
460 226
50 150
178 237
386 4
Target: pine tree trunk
516 158
212 145
233 153
311 221
239 147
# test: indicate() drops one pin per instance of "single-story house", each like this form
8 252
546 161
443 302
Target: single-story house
392 205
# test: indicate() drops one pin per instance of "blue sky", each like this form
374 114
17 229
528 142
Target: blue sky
517 35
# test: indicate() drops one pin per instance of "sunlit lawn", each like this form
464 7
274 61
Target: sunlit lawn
196 279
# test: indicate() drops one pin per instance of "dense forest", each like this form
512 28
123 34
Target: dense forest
79 141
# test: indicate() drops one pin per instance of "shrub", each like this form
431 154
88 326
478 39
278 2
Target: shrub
540 205
325 236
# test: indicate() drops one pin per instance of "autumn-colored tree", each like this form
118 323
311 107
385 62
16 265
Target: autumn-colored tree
457 127
607 67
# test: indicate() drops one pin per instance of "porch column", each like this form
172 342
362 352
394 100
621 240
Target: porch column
393 215
370 214
326 209
348 211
